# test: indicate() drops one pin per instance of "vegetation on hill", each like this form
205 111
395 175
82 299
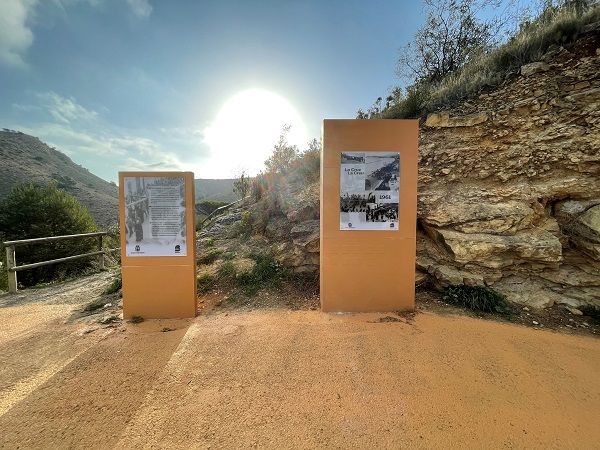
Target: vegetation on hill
33 211
288 171
26 159
455 56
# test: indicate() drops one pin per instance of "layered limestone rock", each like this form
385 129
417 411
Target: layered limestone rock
509 185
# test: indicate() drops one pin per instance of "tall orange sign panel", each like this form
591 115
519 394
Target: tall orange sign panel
368 215
158 251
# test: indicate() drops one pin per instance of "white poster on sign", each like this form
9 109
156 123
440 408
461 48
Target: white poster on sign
155 216
369 190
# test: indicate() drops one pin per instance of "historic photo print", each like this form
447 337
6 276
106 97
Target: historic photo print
155 216
369 190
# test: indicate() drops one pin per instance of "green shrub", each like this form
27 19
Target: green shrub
226 271
114 286
411 106
205 282
3 273
476 298
244 226
32 211
209 206
267 272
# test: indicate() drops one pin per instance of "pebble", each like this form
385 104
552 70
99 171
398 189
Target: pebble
535 323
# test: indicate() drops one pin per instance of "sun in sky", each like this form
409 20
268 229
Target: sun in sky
243 133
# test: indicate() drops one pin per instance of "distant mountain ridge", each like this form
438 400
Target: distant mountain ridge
26 159
215 190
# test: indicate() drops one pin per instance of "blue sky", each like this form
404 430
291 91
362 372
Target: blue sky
136 84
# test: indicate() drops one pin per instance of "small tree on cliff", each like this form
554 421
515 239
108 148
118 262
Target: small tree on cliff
284 154
241 185
452 36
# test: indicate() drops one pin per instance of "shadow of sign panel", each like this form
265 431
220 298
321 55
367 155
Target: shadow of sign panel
155 216
369 190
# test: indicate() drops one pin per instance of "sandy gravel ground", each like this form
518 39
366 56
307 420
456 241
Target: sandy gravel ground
276 378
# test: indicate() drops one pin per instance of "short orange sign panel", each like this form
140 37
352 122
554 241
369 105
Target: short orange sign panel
368 215
158 251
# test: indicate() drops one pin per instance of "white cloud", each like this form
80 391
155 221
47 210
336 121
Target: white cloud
65 110
141 8
15 35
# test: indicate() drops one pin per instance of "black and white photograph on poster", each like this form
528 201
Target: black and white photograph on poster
369 190
155 216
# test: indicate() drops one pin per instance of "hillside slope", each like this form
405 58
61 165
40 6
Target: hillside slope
215 190
25 158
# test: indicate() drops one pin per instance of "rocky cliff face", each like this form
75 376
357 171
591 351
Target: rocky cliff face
509 184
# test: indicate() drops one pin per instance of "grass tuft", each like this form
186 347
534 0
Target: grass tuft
205 282
209 256
476 298
267 272
114 286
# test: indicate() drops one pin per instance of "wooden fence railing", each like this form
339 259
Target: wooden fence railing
11 259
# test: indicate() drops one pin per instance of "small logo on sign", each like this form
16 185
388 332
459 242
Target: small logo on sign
392 225
177 249
349 224
137 248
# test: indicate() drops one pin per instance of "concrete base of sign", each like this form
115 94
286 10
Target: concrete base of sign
368 270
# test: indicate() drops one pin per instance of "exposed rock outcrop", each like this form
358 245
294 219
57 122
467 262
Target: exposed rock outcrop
514 200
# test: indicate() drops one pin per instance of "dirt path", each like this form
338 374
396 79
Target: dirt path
277 378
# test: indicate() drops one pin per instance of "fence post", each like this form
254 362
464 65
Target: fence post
101 256
11 263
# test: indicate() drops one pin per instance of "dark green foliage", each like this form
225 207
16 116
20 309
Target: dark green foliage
32 211
267 272
244 226
26 158
209 206
65 182
115 286
476 298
